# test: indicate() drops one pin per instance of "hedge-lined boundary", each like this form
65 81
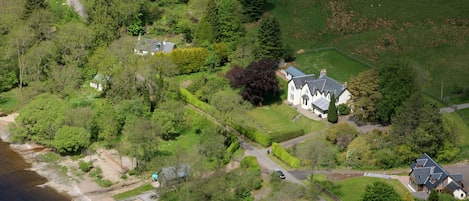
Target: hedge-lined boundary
283 155
284 136
253 134
192 99
231 149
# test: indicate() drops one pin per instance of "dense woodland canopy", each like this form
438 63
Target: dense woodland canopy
50 54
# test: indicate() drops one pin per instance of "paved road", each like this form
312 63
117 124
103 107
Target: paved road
454 108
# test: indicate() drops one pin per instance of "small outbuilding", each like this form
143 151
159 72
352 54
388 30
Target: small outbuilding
174 175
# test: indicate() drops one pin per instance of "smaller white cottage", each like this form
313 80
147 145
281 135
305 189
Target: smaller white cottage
99 81
314 93
146 46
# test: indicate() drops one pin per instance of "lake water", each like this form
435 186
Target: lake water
18 184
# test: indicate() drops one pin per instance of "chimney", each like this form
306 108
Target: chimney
323 72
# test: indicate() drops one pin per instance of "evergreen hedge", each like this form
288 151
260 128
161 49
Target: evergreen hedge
284 136
253 134
192 99
283 155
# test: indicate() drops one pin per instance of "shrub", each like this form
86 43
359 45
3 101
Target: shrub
284 136
133 172
252 134
193 100
231 149
85 166
343 109
48 157
96 172
283 155
103 182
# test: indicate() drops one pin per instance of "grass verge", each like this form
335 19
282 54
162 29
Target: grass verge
133 192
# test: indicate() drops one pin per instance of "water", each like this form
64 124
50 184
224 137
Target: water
18 184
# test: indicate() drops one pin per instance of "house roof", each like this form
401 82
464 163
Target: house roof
321 103
152 45
457 177
427 172
452 186
326 85
172 173
294 72
299 81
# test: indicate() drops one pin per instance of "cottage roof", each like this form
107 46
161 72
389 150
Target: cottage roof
152 45
457 177
452 186
172 173
299 81
426 168
321 103
294 72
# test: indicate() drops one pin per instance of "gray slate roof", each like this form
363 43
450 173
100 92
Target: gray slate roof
321 104
173 173
457 177
301 80
325 84
152 46
294 72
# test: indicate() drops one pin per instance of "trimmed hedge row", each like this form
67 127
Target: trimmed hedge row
284 136
253 134
283 155
192 99
231 149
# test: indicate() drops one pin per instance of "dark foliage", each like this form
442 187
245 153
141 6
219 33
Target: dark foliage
380 191
257 81
32 5
252 9
269 41
332 115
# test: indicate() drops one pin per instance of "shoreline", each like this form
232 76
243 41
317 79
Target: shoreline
59 183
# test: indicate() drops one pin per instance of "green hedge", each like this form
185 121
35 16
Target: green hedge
231 149
284 136
283 155
192 99
252 134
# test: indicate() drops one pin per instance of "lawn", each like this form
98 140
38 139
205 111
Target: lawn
352 189
338 66
278 118
9 100
427 36
133 192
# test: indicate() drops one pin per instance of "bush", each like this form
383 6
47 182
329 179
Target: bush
284 136
343 109
48 157
133 172
231 149
250 162
193 100
85 166
103 182
283 155
96 172
252 134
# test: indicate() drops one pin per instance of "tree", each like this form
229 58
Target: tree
32 5
252 9
318 154
105 124
258 81
380 191
269 42
74 44
71 139
142 135
170 116
365 95
103 19
206 31
341 134
332 115
212 144
21 40
229 26
396 85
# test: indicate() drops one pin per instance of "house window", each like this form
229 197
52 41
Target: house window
292 88
291 96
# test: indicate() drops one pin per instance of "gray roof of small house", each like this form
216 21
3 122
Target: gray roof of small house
299 81
100 78
421 174
294 72
325 84
173 173
452 186
152 45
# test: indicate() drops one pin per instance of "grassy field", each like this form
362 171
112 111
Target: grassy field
431 37
338 66
352 189
278 118
133 192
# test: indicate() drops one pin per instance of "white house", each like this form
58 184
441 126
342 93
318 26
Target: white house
146 46
98 81
315 93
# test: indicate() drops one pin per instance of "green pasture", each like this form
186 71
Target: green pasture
278 118
338 66
352 189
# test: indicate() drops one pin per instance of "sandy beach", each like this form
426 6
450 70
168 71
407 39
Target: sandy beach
80 187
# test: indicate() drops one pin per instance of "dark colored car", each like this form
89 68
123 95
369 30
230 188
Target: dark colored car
281 174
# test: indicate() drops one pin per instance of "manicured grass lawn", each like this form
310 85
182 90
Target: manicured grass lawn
187 142
352 189
338 66
278 118
133 192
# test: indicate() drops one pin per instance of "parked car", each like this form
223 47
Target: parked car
280 173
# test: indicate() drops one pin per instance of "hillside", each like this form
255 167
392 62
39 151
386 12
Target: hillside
429 36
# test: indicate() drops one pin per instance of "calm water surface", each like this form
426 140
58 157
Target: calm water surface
18 184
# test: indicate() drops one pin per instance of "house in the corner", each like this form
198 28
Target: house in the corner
146 46
173 175
314 93
426 175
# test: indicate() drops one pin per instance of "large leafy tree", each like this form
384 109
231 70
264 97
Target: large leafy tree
396 84
269 41
380 191
229 28
365 95
332 115
71 139
257 82
105 124
103 19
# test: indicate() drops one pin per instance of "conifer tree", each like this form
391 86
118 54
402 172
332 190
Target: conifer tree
252 9
332 115
269 42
